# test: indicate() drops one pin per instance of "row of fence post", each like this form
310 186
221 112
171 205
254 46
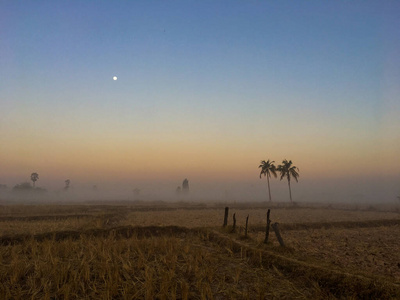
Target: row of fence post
275 226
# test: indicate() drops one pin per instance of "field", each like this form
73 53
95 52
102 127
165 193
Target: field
137 250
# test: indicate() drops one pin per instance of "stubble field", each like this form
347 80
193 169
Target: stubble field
180 250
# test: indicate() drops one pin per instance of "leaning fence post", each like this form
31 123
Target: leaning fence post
226 216
247 222
234 223
267 228
278 234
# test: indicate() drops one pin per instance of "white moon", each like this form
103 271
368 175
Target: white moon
115 78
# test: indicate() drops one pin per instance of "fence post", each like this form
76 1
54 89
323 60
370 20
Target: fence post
247 223
267 228
226 216
234 223
278 234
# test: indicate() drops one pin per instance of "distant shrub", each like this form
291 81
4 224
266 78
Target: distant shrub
27 187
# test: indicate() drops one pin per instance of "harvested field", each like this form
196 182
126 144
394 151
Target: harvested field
160 251
372 250
214 216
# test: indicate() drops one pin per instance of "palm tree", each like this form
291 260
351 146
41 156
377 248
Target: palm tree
268 168
288 171
34 178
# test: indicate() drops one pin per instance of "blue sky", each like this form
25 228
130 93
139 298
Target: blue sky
200 84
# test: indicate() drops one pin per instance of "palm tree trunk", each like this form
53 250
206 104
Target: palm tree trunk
290 192
269 190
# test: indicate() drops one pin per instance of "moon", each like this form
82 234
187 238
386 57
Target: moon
115 78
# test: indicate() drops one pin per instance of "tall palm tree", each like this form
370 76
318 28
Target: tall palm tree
287 170
34 178
268 168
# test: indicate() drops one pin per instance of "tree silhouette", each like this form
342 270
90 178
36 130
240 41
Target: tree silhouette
25 186
178 190
67 183
34 178
268 168
185 186
288 171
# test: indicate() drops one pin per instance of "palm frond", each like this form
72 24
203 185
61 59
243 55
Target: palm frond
273 171
267 168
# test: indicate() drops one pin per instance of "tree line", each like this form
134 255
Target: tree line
25 186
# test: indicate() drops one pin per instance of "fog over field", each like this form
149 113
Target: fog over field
316 191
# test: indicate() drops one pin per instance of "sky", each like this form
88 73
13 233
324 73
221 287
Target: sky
205 91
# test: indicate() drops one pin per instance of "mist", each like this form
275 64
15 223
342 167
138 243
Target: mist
307 190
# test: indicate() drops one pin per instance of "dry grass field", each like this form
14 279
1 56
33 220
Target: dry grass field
180 250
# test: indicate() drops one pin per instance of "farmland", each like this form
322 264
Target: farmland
128 250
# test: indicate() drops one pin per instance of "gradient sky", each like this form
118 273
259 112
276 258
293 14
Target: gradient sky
205 90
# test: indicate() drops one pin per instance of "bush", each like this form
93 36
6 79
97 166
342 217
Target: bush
27 187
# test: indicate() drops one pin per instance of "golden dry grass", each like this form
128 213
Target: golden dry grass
92 251
214 217
40 226
361 250
166 267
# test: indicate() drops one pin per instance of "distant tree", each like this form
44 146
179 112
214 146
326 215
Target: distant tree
185 186
136 191
34 178
67 183
288 171
25 186
178 190
268 168
3 186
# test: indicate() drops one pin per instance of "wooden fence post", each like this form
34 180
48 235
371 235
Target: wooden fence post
247 223
278 234
234 223
267 228
226 216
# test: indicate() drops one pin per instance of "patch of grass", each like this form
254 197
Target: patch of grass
130 251
162 267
